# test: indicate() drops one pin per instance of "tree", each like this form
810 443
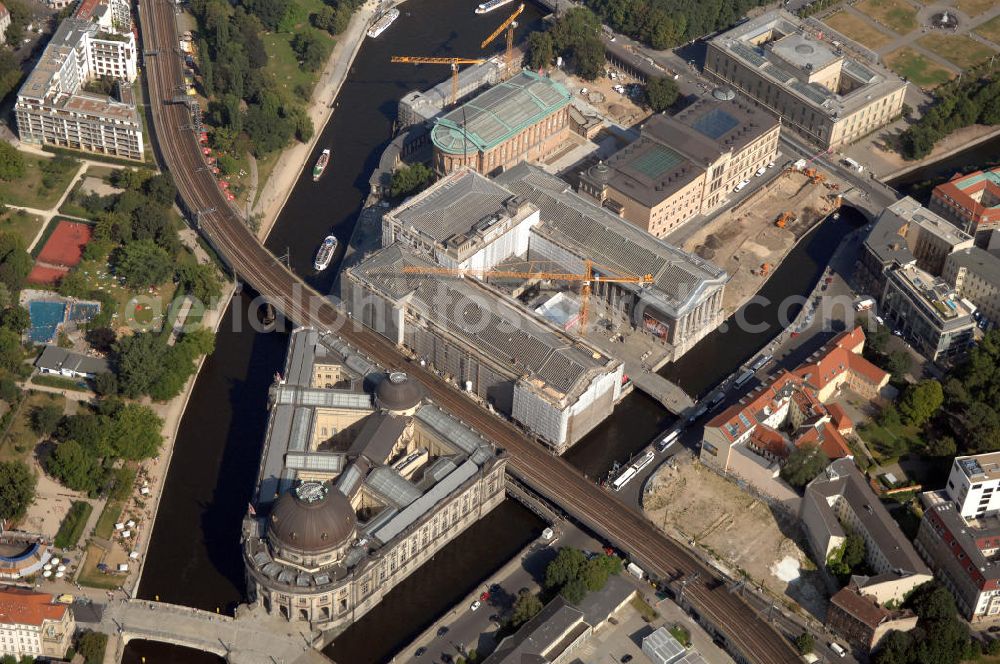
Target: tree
803 464
88 430
135 432
101 339
311 49
143 264
138 361
526 607
106 384
805 643
565 567
45 419
409 180
16 319
130 178
594 574
898 363
270 12
11 354
200 281
15 262
74 467
17 489
92 645
894 649
540 50
160 189
574 591
921 401
12 166
9 391
661 93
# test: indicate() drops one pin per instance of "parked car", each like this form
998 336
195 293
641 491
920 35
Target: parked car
420 652
476 605
741 185
760 171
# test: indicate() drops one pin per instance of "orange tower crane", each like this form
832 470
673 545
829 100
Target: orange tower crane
509 26
454 62
588 279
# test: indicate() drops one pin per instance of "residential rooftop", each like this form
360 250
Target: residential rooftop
978 261
681 280
980 467
777 46
499 113
893 236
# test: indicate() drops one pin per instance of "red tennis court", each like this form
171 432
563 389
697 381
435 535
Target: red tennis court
65 246
46 276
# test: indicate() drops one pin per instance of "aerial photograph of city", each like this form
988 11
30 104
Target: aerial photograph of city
499 332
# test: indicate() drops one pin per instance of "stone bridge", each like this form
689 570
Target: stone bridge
251 638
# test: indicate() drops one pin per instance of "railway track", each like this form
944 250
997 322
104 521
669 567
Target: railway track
754 639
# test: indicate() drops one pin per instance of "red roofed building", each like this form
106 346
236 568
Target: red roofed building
971 202
860 619
790 410
33 624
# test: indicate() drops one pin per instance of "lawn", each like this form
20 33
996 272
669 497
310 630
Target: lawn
917 69
19 439
61 382
105 526
91 576
680 633
31 190
858 29
97 275
887 444
974 7
960 50
21 223
990 30
293 81
897 15
72 526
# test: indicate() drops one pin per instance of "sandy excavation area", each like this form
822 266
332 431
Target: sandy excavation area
747 243
743 533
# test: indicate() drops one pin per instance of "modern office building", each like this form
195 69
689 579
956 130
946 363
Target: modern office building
356 490
523 118
975 274
791 410
684 165
971 202
959 536
818 91
928 313
840 501
32 624
54 108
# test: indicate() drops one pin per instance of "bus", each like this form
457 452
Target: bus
744 378
760 362
624 478
646 459
668 439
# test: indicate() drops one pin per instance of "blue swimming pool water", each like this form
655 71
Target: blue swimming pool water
45 319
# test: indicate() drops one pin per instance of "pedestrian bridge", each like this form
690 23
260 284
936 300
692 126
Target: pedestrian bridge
251 638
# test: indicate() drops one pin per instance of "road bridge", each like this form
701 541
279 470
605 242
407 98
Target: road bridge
251 638
750 638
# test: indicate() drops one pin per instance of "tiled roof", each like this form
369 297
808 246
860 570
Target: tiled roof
860 607
25 607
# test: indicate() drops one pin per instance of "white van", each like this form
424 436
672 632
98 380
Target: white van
741 185
853 164
839 649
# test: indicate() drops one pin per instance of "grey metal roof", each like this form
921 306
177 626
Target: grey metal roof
681 280
412 512
453 207
661 647
322 461
55 358
451 430
378 435
350 480
322 398
510 336
392 486
301 429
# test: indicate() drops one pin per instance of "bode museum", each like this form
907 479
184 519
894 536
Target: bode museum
362 480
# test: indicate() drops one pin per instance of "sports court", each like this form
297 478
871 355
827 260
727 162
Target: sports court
62 251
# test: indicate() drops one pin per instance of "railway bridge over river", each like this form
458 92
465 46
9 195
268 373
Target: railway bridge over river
748 636
250 638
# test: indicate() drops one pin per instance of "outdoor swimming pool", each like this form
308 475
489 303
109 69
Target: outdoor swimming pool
45 319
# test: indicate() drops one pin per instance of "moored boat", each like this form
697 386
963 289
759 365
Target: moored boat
490 5
382 23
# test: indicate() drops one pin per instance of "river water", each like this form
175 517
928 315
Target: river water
194 558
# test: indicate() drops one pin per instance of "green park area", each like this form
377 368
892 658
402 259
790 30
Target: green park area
897 15
960 50
990 29
73 524
33 181
20 223
857 28
22 425
917 69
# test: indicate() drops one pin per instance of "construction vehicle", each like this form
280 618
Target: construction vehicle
784 219
588 278
815 177
765 268
454 62
509 26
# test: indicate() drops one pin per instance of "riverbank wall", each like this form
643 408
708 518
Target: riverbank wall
931 160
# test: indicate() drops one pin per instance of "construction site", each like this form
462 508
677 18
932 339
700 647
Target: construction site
752 238
739 532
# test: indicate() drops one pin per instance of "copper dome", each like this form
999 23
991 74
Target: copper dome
312 518
397 391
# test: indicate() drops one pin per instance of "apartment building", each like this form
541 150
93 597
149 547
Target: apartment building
806 79
32 624
4 22
975 274
684 165
971 202
54 108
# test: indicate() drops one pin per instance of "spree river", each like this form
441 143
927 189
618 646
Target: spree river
194 557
